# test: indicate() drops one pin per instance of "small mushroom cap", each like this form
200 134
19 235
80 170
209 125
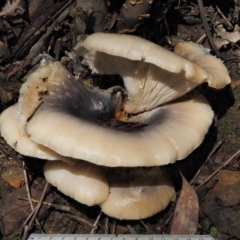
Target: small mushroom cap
153 75
84 182
14 133
218 74
137 193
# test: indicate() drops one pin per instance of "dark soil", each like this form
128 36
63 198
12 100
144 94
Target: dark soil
30 28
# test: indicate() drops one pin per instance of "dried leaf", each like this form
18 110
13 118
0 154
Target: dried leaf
12 9
186 213
235 84
14 212
226 38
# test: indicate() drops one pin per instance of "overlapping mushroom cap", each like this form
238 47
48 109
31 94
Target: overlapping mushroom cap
150 82
123 193
59 118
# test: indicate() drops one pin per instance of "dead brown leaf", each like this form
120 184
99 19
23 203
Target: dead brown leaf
226 38
235 84
186 213
13 8
14 176
14 212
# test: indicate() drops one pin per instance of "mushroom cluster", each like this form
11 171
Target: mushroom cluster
153 121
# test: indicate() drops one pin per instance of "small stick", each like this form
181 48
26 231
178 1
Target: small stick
36 48
215 172
107 225
27 219
78 219
169 218
29 195
200 40
149 230
36 210
216 147
114 227
206 27
223 16
58 207
95 225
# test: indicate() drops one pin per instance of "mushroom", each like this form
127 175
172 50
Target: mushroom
83 181
151 84
157 143
137 193
104 127
122 193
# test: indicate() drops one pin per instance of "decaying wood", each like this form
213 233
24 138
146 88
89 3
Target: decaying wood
41 15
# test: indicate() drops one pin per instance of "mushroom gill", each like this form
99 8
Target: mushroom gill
152 75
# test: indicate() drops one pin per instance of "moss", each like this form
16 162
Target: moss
215 233
206 224
137 228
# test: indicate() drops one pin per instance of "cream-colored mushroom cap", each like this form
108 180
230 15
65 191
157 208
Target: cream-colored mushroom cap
84 182
151 74
72 122
137 193
14 133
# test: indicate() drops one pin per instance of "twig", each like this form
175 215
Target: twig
95 225
36 210
149 230
223 16
107 225
200 40
206 27
179 2
56 206
114 227
166 222
26 221
29 195
78 219
36 49
216 147
215 172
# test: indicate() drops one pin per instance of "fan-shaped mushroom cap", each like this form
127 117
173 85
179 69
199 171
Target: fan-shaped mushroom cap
84 182
137 193
218 75
153 75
